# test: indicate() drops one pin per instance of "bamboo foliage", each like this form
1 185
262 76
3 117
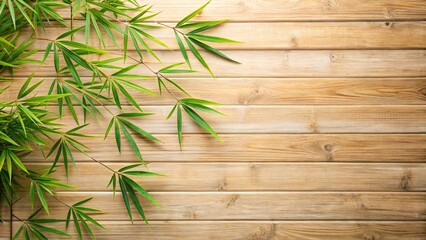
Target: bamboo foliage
26 125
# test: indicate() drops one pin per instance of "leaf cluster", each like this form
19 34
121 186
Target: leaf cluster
90 82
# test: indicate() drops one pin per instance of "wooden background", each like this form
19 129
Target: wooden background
325 134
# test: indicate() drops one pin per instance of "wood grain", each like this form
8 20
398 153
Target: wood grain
274 91
276 10
281 35
252 206
381 148
285 63
290 230
283 119
257 176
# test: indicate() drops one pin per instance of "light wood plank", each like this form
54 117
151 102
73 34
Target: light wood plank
272 91
276 10
290 230
320 63
257 176
284 119
252 206
282 35
266 148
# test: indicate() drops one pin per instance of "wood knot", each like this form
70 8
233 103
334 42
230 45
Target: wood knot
331 5
313 127
405 181
389 13
369 237
222 186
250 97
328 147
293 42
264 234
389 24
232 199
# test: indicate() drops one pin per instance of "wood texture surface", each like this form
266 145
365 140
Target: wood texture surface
285 63
254 230
381 148
258 176
282 119
298 10
253 206
282 35
324 136
275 91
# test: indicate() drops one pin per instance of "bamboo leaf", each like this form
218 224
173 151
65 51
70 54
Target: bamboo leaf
200 121
191 15
182 49
198 55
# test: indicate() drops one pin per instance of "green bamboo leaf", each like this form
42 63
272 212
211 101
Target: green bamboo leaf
131 141
76 224
117 134
67 221
142 173
24 92
12 12
70 32
125 198
203 108
139 189
42 199
97 30
128 96
152 38
191 15
198 55
177 86
139 130
136 202
56 58
129 167
47 51
109 128
6 138
18 162
82 202
115 95
83 222
211 38
82 46
134 114
200 121
43 99
32 195
204 24
172 111
182 49
212 50
50 230
179 125
73 71
198 101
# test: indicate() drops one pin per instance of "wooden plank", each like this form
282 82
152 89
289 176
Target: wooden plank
251 206
296 63
257 176
266 148
283 119
277 10
283 35
289 230
272 91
